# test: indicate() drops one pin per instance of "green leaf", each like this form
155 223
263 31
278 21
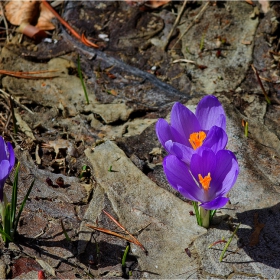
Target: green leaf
212 213
82 81
228 243
14 198
22 205
197 214
64 231
125 255
5 235
6 224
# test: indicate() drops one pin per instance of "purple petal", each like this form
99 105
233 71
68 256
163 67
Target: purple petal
3 149
4 169
180 178
182 152
203 162
216 139
184 122
163 131
210 112
11 155
225 175
217 203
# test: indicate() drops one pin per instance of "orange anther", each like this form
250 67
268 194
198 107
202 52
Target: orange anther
196 139
205 182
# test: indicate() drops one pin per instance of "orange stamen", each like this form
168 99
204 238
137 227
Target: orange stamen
196 139
205 182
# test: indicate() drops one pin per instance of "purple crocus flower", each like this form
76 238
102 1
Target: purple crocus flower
7 161
207 179
188 131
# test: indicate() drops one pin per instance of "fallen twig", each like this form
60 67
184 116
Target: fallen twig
260 83
25 75
132 239
17 102
126 231
202 67
81 38
175 24
192 23
107 231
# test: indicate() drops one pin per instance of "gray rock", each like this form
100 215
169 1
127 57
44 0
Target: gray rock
227 71
137 201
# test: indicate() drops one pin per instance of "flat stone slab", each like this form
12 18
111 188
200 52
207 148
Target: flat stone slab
138 201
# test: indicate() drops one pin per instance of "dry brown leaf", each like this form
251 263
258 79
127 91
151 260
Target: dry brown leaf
30 12
44 21
18 12
156 3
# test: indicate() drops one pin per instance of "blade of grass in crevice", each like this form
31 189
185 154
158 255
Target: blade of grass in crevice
228 243
64 231
125 255
5 235
22 204
7 221
14 198
81 78
246 129
212 213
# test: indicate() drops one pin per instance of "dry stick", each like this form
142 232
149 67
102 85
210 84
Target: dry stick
107 231
260 83
126 231
18 103
175 24
8 122
5 21
26 73
82 38
190 26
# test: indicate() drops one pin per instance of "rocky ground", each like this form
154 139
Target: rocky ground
132 81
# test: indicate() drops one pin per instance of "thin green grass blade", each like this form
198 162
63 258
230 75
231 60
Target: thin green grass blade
5 236
228 243
212 213
64 231
22 205
6 226
246 129
125 255
14 198
82 80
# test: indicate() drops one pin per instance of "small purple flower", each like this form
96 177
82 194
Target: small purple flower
188 131
7 161
207 179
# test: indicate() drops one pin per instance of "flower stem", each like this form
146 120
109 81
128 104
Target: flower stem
197 214
205 217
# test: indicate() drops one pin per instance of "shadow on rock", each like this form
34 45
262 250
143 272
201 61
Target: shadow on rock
261 239
99 257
